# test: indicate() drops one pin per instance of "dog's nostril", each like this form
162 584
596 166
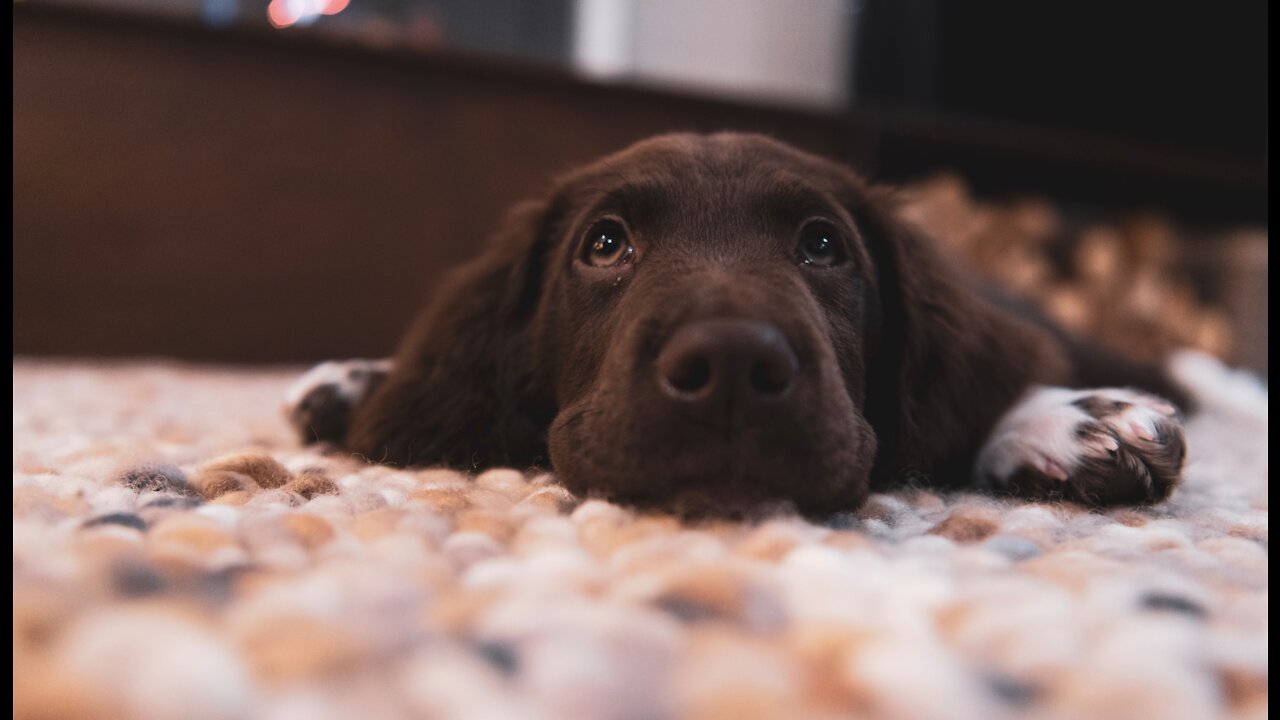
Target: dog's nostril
691 375
771 378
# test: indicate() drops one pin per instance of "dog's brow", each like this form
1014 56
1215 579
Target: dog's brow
630 197
794 192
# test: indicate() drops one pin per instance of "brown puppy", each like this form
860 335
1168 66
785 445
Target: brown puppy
714 321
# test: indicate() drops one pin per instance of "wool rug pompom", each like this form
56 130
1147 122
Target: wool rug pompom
176 555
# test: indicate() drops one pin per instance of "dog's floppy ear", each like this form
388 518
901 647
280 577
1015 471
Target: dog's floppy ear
945 360
462 391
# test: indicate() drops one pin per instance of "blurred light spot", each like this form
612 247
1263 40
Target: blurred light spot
279 15
287 13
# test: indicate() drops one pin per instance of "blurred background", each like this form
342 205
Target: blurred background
286 180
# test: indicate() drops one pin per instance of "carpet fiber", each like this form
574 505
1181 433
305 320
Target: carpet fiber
178 555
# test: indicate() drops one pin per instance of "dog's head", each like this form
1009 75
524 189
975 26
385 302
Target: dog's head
719 319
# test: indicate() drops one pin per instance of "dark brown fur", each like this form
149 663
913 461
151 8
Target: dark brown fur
528 358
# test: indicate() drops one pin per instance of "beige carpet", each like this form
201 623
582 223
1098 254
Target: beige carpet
156 578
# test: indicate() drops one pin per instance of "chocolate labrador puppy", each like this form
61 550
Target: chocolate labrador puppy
715 321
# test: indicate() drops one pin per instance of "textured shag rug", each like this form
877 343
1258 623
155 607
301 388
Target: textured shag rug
178 555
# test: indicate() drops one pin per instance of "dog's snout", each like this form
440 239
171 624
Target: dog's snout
735 362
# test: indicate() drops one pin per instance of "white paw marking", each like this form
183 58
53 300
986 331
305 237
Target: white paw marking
1041 431
351 378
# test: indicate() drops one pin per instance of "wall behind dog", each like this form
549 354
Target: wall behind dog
243 197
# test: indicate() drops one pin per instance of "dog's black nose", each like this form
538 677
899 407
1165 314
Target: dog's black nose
726 363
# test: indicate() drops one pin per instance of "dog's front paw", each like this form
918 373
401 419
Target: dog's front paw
320 403
1098 447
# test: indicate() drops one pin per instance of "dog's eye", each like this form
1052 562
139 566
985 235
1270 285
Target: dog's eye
819 245
607 245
